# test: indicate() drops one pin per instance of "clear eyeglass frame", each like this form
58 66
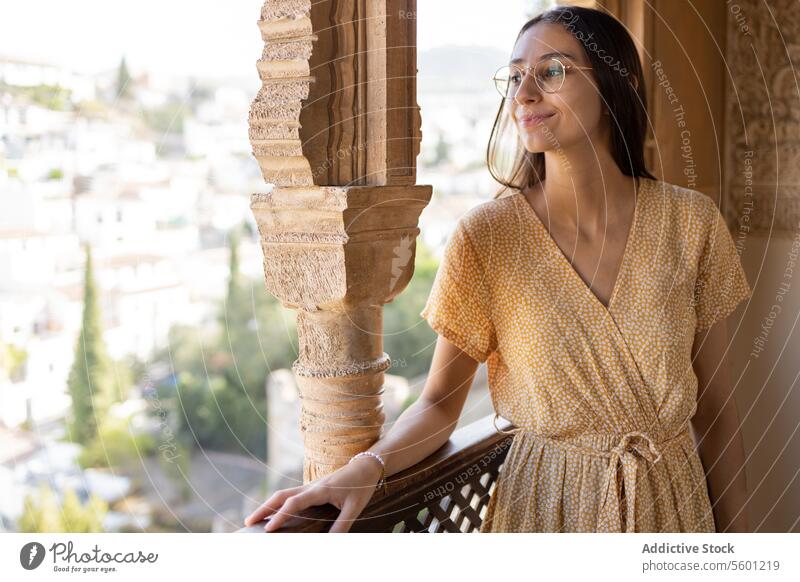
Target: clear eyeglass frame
500 80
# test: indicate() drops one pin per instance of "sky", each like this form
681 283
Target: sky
199 37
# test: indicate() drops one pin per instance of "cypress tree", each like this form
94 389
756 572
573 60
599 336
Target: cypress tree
237 311
90 379
123 79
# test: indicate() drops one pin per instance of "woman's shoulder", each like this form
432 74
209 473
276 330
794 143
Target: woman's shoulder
690 210
491 219
682 198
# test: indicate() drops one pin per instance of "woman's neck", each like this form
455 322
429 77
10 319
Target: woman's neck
581 190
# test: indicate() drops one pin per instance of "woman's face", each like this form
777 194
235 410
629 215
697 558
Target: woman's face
575 111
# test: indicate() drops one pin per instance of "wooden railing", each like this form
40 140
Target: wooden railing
446 492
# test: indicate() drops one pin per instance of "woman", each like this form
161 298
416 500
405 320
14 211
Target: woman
597 296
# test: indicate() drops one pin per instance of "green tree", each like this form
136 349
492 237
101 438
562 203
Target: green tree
166 118
442 151
176 465
77 518
42 513
123 80
13 362
91 378
221 400
116 446
49 96
234 296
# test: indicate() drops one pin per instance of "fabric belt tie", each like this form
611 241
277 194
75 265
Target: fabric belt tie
615 515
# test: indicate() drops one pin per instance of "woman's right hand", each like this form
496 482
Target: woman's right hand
349 488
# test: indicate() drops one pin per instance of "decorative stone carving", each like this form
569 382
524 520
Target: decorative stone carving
763 116
336 129
275 112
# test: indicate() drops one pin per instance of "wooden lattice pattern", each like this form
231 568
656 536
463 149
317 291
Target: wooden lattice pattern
460 511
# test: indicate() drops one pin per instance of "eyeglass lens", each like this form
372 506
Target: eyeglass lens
548 74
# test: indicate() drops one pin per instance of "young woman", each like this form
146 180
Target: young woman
597 296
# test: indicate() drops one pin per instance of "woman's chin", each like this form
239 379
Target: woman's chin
537 145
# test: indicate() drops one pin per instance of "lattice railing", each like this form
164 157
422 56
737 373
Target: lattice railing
447 492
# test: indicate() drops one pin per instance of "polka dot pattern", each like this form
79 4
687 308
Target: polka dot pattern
601 395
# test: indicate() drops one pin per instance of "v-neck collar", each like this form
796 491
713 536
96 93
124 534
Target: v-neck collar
556 250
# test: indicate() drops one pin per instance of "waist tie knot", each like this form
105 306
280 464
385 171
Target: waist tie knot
629 444
615 514
618 506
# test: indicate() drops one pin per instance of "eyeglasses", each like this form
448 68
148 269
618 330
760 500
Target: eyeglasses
548 73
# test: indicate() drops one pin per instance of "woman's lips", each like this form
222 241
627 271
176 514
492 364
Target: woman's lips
535 120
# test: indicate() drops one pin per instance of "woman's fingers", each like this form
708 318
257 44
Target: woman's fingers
347 515
271 505
347 488
292 507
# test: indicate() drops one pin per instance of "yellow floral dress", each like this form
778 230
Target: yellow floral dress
600 396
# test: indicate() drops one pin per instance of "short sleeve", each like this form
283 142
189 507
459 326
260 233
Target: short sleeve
721 282
458 306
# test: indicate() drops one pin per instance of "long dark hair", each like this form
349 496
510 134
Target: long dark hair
515 167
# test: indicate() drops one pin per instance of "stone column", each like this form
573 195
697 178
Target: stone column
336 130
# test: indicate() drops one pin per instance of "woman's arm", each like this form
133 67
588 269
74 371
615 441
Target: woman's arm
427 424
421 429
716 426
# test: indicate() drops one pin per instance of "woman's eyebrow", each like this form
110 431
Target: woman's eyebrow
544 56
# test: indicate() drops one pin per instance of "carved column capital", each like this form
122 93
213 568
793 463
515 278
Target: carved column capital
337 254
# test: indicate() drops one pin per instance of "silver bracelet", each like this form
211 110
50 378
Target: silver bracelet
382 480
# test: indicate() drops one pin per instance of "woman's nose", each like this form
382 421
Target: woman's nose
528 89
